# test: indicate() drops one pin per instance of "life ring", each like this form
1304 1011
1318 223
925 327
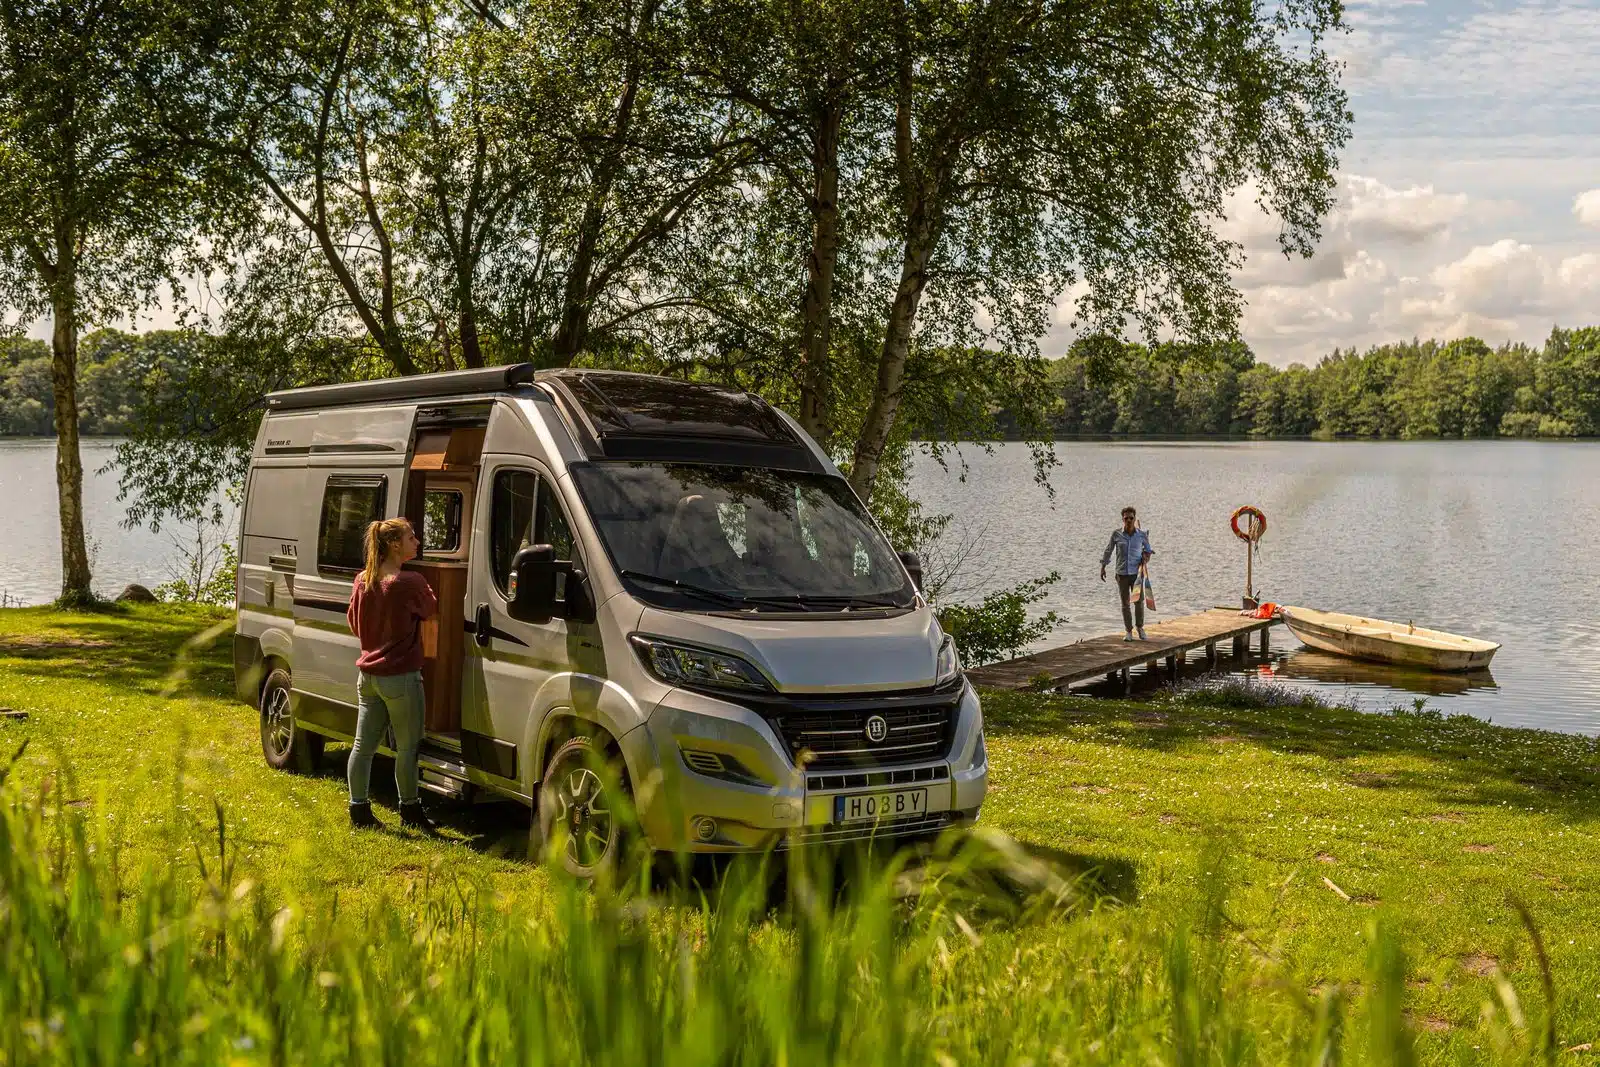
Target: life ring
1258 523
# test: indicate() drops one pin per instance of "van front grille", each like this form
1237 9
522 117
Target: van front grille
820 740
831 833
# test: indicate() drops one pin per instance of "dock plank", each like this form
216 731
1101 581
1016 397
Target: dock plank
1097 656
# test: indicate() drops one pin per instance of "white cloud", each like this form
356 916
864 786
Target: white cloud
1500 291
1373 211
1587 207
1367 215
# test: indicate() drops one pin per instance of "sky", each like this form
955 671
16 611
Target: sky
1469 199
1469 193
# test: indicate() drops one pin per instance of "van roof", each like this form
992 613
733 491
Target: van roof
617 414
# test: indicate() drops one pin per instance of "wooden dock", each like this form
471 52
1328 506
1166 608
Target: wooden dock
1108 656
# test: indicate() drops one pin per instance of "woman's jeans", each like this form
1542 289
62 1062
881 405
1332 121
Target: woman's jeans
384 700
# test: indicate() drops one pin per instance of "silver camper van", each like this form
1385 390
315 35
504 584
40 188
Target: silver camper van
669 578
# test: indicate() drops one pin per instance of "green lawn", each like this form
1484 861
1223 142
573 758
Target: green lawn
1321 824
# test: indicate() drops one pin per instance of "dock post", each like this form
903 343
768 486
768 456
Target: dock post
1127 680
1211 654
1266 634
1239 645
1172 666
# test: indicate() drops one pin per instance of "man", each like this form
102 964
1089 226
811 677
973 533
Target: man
1133 550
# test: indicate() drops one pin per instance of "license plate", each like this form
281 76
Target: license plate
870 807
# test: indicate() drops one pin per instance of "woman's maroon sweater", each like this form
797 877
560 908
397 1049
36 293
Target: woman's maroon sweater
387 621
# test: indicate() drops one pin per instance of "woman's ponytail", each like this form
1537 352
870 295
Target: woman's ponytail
381 536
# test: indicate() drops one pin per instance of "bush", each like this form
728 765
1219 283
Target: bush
999 627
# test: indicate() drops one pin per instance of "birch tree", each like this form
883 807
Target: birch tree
100 193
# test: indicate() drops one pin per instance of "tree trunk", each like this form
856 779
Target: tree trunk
572 333
69 465
816 310
471 349
886 394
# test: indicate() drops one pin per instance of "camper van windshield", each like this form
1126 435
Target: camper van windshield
715 538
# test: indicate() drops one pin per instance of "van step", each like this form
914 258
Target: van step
443 784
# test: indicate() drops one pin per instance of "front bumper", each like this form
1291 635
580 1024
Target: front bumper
761 800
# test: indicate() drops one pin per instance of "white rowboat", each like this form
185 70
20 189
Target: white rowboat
1399 643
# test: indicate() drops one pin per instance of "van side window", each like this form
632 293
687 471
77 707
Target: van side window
441 520
348 505
510 519
550 524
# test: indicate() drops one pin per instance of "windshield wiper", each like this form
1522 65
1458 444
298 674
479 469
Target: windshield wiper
822 602
687 588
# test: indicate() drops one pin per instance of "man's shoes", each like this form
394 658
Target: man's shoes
361 817
413 816
1128 636
1142 637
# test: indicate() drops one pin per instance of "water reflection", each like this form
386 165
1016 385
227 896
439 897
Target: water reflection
1310 665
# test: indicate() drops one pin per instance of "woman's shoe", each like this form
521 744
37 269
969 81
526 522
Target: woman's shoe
413 816
361 817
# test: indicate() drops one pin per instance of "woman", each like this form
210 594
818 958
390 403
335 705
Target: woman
387 607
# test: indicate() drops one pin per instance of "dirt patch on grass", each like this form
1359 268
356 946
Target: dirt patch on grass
37 645
1433 1024
1372 779
1448 816
1323 857
1480 963
1097 790
1477 848
1167 818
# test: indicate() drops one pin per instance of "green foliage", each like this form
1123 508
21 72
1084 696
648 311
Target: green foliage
999 627
209 579
111 383
1417 389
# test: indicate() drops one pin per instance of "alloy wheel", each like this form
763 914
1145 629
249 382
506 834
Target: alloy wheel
584 813
277 722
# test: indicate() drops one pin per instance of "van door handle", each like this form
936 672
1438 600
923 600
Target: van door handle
481 625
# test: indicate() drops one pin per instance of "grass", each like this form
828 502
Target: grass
1202 879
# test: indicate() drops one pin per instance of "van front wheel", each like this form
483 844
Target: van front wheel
583 802
284 744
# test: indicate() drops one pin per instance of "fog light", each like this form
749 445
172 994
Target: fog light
705 829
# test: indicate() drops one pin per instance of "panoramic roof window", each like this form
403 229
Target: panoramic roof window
647 405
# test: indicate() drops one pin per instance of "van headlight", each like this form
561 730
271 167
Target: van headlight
697 667
948 665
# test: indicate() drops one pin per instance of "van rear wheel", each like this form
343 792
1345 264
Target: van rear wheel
284 744
584 801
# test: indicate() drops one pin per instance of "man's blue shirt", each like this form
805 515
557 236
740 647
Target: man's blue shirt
1130 549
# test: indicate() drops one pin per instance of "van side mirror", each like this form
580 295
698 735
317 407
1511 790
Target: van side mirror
542 588
913 566
532 588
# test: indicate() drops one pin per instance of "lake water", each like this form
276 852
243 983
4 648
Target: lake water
1492 539
30 570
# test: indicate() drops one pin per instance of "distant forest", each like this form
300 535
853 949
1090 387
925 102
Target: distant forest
1416 389
112 368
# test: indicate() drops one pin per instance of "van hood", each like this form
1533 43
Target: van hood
827 654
